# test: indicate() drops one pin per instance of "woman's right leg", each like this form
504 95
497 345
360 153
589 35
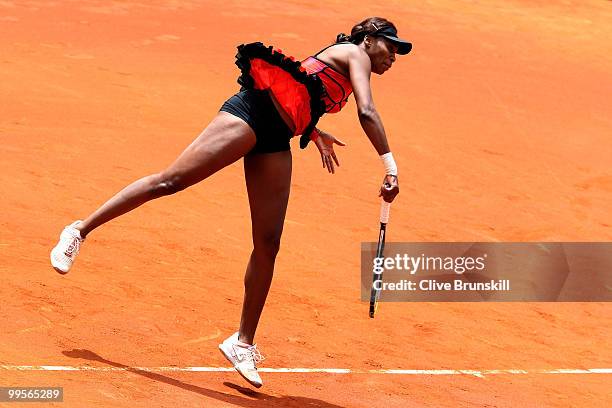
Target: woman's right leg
225 140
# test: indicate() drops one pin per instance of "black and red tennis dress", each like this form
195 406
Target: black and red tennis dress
304 91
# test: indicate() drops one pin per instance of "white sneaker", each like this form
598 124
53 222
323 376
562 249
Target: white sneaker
66 250
243 357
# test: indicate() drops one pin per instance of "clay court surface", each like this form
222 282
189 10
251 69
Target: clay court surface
500 122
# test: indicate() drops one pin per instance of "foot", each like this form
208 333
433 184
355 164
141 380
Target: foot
243 357
66 250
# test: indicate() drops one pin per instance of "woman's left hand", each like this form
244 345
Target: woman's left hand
325 143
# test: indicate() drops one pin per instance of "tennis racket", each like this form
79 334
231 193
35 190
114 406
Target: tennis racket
384 218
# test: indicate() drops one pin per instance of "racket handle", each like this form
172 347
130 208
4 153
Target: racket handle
384 212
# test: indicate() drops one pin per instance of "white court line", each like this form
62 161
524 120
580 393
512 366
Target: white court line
477 373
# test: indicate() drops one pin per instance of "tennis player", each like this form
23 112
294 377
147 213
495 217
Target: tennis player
279 98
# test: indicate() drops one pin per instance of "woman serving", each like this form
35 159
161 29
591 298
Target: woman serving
280 98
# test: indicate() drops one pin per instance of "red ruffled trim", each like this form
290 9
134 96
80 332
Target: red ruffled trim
264 74
291 95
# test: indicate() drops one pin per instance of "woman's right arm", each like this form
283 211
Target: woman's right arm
360 70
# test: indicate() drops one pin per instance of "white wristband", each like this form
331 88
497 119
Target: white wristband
389 163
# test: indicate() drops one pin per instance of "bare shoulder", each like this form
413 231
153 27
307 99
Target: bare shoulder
339 56
345 51
358 55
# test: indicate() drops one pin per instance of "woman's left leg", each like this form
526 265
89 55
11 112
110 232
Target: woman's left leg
268 180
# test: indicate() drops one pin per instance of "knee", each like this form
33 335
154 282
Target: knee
267 245
165 184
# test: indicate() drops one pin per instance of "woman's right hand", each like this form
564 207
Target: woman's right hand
389 188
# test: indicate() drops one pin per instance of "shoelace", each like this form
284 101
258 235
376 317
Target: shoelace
250 354
73 248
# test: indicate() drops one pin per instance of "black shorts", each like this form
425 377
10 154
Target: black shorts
257 109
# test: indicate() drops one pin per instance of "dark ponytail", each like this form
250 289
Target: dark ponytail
343 38
368 26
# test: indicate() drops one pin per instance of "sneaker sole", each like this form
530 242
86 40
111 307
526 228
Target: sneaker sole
256 385
58 270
